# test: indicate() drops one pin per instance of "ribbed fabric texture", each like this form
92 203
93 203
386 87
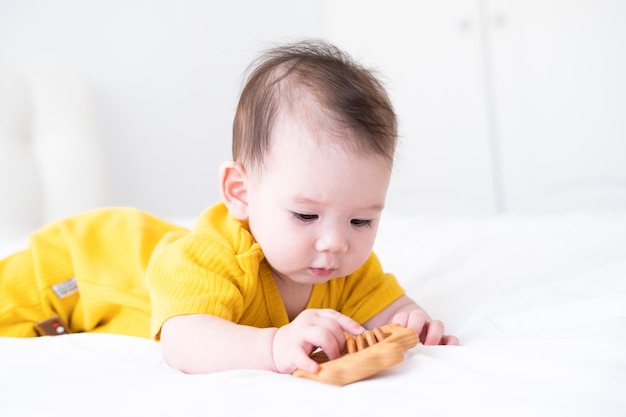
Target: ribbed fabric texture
219 269
360 295
212 270
107 251
20 298
134 271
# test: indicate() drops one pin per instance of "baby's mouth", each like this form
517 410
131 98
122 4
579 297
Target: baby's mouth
322 272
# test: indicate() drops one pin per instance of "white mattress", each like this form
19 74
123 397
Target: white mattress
539 304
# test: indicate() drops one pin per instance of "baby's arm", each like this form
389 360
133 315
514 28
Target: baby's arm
407 313
200 343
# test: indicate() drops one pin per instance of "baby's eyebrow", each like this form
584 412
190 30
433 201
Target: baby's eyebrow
307 200
375 207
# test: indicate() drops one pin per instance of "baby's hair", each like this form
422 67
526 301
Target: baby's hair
343 90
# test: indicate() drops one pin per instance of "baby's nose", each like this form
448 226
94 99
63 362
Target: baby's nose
332 241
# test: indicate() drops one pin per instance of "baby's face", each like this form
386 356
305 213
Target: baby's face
315 211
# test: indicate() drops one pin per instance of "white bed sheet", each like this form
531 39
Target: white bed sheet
539 303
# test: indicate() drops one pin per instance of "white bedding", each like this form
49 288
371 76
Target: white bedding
538 302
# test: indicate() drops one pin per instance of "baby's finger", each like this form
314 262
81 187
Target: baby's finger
418 320
449 340
434 333
347 324
305 363
402 318
331 342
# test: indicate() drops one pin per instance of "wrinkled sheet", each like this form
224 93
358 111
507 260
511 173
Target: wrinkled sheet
538 302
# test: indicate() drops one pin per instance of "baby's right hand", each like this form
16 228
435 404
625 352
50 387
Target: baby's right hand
313 328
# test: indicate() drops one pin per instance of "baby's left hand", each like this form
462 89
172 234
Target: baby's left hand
431 332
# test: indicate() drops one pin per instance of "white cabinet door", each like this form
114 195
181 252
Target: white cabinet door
429 52
559 78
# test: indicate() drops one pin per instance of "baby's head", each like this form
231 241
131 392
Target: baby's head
324 87
313 149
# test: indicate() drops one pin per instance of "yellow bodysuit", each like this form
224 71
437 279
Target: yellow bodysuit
123 271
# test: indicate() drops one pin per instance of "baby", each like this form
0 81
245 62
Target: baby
285 263
281 266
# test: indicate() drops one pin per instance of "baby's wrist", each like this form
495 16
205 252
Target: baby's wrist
272 361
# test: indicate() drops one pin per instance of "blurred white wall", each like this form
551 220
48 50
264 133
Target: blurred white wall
504 105
165 75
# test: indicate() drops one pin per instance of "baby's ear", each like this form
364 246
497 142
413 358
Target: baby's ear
233 189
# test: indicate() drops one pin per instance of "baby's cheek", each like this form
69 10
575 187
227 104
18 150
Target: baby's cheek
289 255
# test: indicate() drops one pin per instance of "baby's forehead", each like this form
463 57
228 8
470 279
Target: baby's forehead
318 130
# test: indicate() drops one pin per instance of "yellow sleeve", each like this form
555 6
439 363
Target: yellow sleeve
208 271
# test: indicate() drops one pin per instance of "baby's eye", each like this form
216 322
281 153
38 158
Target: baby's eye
361 223
305 217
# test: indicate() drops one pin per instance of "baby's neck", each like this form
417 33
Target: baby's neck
295 296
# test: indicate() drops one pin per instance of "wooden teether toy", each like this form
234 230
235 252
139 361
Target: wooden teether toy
365 355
